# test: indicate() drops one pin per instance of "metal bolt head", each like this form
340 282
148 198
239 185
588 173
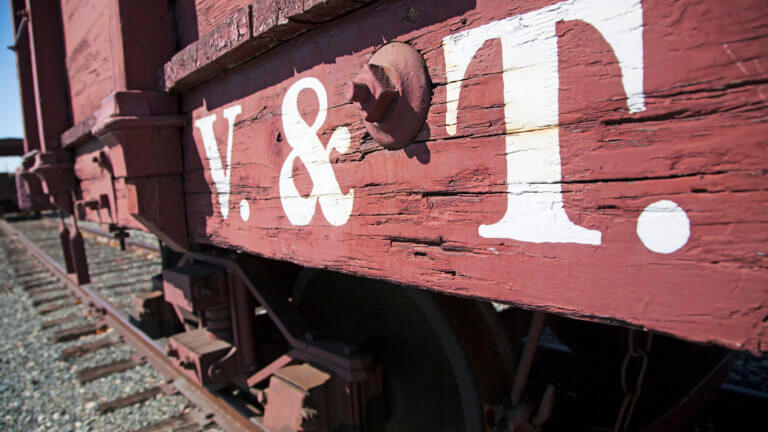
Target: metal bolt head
373 90
393 92
356 91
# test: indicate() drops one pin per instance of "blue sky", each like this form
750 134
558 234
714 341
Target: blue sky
10 107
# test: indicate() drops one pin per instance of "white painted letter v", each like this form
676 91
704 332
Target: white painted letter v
219 172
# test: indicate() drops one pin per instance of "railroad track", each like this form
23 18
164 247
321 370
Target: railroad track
117 376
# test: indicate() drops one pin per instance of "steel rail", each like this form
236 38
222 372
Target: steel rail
224 415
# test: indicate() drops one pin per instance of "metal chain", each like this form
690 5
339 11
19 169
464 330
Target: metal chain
638 352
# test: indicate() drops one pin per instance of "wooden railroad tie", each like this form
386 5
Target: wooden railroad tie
124 267
107 284
38 273
57 321
79 331
52 307
93 373
37 301
25 273
135 398
183 423
81 350
45 290
28 274
37 283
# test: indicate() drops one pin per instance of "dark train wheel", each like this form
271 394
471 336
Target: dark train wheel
431 381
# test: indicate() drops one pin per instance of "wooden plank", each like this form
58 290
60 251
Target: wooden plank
141 40
133 399
30 272
48 72
47 279
62 320
81 350
241 31
195 18
115 282
45 309
24 72
38 291
183 422
79 331
37 301
88 54
93 373
462 210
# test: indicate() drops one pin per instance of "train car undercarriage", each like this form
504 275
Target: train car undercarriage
321 350
468 215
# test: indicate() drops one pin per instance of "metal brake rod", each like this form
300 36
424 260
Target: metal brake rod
224 415
290 323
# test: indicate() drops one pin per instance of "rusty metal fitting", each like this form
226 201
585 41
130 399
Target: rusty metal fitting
393 93
373 90
356 91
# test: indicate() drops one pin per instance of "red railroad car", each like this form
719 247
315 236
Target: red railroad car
351 193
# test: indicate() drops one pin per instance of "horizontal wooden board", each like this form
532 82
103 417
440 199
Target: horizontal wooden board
195 18
649 208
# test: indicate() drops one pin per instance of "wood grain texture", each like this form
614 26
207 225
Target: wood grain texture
196 18
88 54
700 142
77 332
211 13
232 35
130 136
47 61
99 371
141 40
88 347
109 406
26 88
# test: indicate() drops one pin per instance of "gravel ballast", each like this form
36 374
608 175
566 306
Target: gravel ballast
39 392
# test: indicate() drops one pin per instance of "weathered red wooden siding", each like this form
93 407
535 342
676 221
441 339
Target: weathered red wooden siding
26 89
700 143
195 18
115 50
88 54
